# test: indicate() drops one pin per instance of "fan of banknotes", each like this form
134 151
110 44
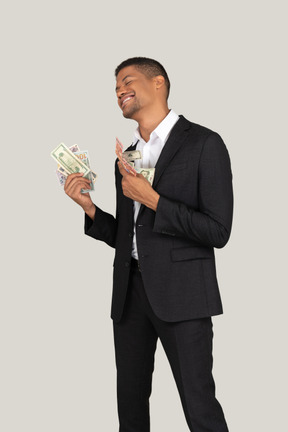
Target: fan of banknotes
72 160
127 159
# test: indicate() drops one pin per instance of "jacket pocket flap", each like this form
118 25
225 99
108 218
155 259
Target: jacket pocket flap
176 167
191 253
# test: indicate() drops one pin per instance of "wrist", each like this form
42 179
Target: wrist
90 210
153 201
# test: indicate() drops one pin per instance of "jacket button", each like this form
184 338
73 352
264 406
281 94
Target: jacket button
130 234
127 264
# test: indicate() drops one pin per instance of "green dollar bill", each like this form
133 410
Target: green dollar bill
148 173
84 157
132 155
68 161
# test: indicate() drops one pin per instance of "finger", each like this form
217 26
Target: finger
142 177
77 183
122 170
128 167
73 182
75 190
78 180
72 177
133 172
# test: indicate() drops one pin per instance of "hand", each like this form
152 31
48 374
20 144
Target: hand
73 186
138 188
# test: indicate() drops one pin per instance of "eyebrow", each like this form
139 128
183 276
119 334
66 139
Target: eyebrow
127 76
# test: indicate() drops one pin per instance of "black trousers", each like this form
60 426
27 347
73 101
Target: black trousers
188 346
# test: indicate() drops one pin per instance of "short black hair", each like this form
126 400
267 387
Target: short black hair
147 66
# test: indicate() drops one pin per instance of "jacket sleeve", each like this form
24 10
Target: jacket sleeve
209 224
104 225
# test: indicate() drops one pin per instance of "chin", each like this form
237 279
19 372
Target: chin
131 110
129 114
126 115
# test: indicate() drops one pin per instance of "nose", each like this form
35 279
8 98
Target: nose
120 92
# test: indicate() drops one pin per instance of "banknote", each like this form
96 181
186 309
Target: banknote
69 161
128 167
127 155
62 175
84 157
119 149
60 172
119 144
119 154
148 173
74 148
127 159
131 155
94 176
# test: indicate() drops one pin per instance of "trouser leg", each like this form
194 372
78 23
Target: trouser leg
188 346
135 343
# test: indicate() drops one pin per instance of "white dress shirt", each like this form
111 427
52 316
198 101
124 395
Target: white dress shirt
150 151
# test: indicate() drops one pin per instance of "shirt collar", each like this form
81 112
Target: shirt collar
162 130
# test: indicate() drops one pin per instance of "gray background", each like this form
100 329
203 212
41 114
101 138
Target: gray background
226 62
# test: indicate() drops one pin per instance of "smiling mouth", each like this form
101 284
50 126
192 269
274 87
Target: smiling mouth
125 100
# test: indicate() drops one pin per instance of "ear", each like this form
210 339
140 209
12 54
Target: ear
159 81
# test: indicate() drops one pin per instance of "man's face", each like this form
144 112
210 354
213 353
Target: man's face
135 92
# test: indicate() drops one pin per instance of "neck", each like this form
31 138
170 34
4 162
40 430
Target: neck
148 123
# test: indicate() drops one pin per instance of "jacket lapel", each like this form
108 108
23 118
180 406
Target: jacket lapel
177 138
129 204
131 147
175 141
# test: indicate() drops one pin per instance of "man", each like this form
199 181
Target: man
164 282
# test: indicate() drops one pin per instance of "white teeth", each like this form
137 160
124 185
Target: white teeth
126 100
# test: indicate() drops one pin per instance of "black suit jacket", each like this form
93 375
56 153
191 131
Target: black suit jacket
176 243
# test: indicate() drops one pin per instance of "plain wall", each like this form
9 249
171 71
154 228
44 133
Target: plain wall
227 62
